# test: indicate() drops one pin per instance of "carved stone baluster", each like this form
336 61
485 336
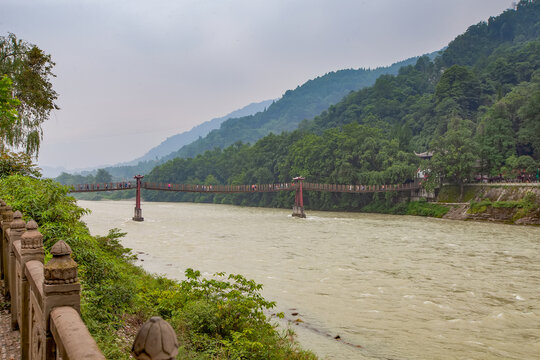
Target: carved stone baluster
17 228
155 340
61 287
31 249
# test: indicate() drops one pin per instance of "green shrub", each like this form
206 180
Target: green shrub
479 207
424 208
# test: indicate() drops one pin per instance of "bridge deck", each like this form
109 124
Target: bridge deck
224 189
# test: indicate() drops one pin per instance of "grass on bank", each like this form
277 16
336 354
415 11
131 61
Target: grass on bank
416 208
218 318
522 207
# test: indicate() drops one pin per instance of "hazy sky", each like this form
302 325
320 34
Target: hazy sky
131 73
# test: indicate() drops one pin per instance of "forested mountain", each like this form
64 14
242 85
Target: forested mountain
285 114
477 106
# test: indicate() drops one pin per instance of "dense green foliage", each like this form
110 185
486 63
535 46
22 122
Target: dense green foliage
453 155
17 163
219 317
11 162
355 154
423 208
30 71
476 106
8 108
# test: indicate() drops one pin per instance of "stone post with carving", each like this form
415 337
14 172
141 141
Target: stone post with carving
31 250
61 287
156 340
7 218
17 228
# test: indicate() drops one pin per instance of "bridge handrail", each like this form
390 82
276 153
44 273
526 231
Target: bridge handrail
110 186
229 188
219 188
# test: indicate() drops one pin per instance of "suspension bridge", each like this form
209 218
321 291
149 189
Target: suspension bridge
297 185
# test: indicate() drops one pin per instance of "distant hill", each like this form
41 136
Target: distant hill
51 171
304 102
175 142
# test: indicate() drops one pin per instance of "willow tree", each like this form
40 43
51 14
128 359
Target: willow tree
8 105
30 72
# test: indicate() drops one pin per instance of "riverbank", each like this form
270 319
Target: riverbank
510 204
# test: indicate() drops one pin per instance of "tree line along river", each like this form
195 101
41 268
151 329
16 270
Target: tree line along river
390 287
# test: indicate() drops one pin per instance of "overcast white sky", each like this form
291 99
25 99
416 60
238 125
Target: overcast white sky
131 73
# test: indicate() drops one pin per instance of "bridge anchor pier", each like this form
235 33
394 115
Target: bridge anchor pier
298 207
298 211
138 215
138 211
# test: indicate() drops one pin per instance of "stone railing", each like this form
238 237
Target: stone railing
45 299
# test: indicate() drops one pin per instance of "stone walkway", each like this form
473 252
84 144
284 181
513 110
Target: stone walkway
10 348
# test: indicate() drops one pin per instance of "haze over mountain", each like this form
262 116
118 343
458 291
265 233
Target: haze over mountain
302 103
172 143
285 114
175 142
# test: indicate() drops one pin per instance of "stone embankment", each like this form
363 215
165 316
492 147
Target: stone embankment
506 203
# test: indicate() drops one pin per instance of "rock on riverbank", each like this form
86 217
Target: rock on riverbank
513 204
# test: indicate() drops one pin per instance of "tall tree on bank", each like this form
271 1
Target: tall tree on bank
8 106
11 163
496 139
454 154
30 71
102 176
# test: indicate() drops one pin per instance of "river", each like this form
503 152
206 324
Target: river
391 287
